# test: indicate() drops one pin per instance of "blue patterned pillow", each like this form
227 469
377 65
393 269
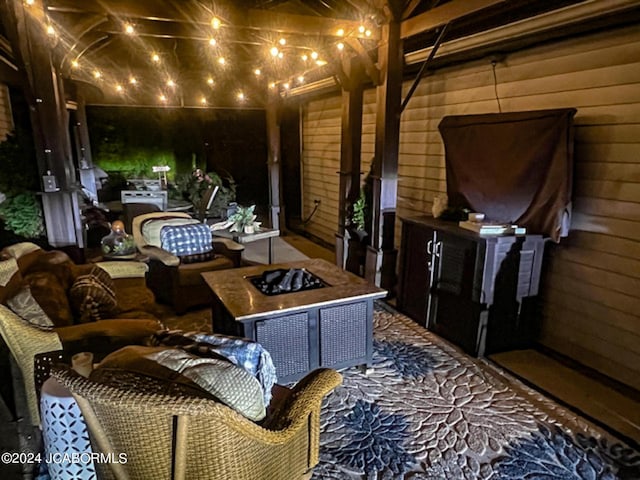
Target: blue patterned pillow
186 240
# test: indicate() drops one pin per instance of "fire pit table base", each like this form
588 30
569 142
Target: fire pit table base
326 327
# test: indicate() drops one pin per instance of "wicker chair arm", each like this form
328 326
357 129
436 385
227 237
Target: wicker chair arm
304 402
309 392
159 254
25 342
120 269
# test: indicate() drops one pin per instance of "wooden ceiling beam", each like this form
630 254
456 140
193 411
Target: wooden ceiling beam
195 13
439 16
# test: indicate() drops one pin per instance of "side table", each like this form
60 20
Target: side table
242 238
65 434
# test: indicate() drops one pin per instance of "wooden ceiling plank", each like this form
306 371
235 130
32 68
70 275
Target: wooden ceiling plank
303 24
159 10
442 15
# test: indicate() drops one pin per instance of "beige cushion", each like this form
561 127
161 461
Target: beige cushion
223 380
25 306
151 228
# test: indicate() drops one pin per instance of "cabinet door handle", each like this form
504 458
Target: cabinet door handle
430 247
438 249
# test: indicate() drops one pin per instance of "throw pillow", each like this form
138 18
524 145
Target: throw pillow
10 279
151 228
93 296
25 306
220 379
186 240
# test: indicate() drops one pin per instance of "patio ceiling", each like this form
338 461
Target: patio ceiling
210 53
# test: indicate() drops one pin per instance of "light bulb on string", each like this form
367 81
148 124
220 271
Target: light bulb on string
210 81
119 88
129 30
314 55
216 23
203 101
257 72
222 61
212 42
133 80
274 51
340 32
155 57
75 64
241 96
282 41
50 30
340 46
171 83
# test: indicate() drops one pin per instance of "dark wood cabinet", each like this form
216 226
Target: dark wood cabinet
477 291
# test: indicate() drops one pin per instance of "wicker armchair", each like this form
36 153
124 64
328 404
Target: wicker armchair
184 437
25 341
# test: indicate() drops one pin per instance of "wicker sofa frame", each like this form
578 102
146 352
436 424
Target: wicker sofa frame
184 437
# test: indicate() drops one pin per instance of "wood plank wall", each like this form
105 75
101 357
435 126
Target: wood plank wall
6 118
591 288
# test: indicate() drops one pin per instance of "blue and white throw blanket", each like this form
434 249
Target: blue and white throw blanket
242 352
185 240
246 354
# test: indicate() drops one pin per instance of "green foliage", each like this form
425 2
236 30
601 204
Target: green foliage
358 218
22 214
18 165
194 187
243 217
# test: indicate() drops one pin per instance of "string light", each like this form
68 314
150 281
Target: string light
301 79
361 29
203 100
171 83
132 80
216 23
30 2
274 51
340 32
282 41
368 33
119 88
75 64
258 72
97 74
340 46
129 29
286 85
305 57
50 30
314 55
162 98
221 61
272 85
240 96
321 63
155 57
280 55
212 42
210 81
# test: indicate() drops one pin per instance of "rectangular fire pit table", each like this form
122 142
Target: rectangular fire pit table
330 326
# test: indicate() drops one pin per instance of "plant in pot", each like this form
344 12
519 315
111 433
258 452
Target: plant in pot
21 214
358 236
244 220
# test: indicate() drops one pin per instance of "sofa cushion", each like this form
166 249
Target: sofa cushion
93 296
221 379
11 280
25 306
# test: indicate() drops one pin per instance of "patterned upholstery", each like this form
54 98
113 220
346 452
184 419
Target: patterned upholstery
93 296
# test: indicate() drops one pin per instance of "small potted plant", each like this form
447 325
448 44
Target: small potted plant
244 220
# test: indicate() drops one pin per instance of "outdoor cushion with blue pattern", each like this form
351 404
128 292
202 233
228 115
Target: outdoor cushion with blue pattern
189 242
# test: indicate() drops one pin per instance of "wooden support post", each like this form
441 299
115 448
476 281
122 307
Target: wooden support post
381 255
273 160
44 91
350 149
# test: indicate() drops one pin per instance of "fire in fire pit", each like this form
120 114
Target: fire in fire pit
276 282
